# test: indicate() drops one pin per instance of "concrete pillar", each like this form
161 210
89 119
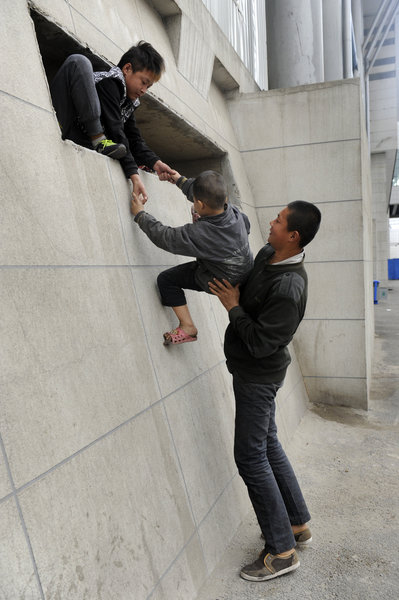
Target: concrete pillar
357 18
332 36
318 43
295 45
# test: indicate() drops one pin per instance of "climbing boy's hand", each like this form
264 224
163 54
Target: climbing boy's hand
163 171
228 295
139 188
174 177
136 205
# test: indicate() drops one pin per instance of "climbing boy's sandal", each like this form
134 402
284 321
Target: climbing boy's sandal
178 336
109 148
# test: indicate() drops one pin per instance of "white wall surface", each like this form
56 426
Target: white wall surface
116 471
308 143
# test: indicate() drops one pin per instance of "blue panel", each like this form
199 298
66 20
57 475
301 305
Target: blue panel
393 268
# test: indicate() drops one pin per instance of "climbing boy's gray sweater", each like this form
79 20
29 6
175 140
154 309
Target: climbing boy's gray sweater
219 243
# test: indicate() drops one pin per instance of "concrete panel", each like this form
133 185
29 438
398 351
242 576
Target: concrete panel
99 39
57 10
119 22
256 239
186 575
114 517
5 485
176 365
20 53
58 204
204 445
167 204
328 278
220 316
316 173
340 237
17 576
303 115
291 401
333 350
338 391
223 519
192 45
71 370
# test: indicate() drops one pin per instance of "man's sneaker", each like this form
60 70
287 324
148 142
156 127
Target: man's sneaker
268 566
303 538
109 148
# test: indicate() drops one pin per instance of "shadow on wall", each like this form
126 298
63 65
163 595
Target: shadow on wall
168 134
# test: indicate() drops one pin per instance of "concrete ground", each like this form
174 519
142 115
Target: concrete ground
347 462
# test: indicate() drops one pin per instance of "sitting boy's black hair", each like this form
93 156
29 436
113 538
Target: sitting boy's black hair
211 189
303 217
143 56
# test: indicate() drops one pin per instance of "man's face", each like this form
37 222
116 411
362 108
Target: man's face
279 234
137 83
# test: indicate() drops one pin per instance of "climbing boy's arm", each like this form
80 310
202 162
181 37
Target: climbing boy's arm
186 186
185 240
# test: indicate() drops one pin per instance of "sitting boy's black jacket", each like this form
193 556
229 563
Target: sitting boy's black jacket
272 304
219 243
114 105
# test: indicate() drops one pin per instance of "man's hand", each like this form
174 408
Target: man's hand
228 295
136 205
139 188
163 171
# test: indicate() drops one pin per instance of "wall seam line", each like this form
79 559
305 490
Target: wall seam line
304 144
21 518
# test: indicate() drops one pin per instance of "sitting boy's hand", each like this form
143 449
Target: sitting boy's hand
139 188
136 204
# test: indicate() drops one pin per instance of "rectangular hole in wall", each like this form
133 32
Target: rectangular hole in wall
168 134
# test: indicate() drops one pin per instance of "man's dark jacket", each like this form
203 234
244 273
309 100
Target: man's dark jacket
272 304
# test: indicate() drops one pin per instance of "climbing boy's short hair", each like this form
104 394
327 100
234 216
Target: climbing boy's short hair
303 217
143 56
210 188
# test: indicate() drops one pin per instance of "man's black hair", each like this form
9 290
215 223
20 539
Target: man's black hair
303 217
143 56
210 188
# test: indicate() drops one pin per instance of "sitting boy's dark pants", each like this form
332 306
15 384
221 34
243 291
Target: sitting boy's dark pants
171 282
76 101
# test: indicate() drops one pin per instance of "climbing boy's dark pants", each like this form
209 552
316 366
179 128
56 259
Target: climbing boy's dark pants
171 282
76 101
262 463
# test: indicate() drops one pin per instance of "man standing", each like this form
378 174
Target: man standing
264 316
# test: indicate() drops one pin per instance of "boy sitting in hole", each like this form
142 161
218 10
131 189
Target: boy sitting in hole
96 110
218 240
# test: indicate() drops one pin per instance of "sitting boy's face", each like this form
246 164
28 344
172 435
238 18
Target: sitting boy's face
137 83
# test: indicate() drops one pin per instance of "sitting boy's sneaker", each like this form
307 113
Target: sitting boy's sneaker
303 538
109 148
268 566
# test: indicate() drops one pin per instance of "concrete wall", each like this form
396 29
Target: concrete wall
116 470
380 216
309 143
